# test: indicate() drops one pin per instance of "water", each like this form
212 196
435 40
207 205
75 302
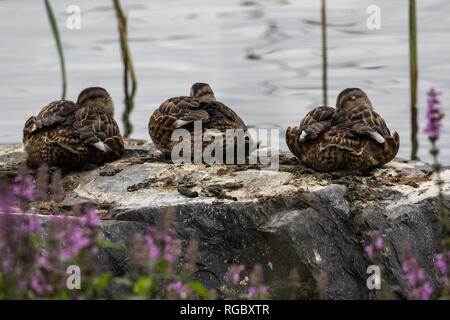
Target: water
262 58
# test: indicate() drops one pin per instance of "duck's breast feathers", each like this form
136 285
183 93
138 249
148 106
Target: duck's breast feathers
94 127
56 112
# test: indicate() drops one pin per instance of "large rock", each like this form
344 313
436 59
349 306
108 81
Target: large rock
291 218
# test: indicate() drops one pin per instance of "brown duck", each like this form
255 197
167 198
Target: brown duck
72 135
351 137
182 112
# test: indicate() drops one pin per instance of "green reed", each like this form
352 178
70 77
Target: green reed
324 52
413 77
54 26
129 73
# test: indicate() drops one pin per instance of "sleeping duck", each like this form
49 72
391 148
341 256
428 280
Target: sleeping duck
183 112
73 135
350 137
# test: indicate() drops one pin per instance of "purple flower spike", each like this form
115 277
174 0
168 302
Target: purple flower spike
434 115
379 243
369 251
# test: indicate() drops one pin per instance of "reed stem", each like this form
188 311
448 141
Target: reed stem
128 69
54 26
413 77
324 52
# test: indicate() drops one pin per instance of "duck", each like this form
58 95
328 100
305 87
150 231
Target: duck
200 106
73 135
351 136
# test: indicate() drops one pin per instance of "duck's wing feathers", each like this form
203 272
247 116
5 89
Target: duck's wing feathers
222 117
315 122
311 126
178 112
364 121
97 129
172 114
56 112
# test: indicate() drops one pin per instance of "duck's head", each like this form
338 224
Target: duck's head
98 98
350 98
202 92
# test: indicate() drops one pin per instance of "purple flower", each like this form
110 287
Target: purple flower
379 243
24 187
233 274
180 290
255 292
93 219
35 225
434 115
374 249
38 284
405 266
440 263
167 238
411 277
443 262
369 251
153 249
420 275
6 263
176 286
415 276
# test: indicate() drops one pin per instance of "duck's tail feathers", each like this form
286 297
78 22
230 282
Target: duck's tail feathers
115 146
391 147
292 140
28 128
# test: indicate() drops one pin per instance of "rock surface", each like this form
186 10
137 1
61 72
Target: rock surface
291 218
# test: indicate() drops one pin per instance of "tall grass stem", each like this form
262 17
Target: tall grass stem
413 65
54 26
129 72
324 52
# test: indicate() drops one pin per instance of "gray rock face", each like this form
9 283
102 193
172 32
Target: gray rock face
291 218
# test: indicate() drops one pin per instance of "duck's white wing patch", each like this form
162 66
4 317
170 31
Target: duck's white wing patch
100 146
378 137
181 123
303 136
34 128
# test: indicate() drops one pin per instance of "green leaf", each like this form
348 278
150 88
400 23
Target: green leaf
123 281
103 243
142 285
102 281
163 265
198 288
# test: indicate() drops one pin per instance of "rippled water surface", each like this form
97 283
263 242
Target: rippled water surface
262 58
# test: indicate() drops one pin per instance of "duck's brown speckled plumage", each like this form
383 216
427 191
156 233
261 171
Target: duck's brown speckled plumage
64 133
181 112
344 138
